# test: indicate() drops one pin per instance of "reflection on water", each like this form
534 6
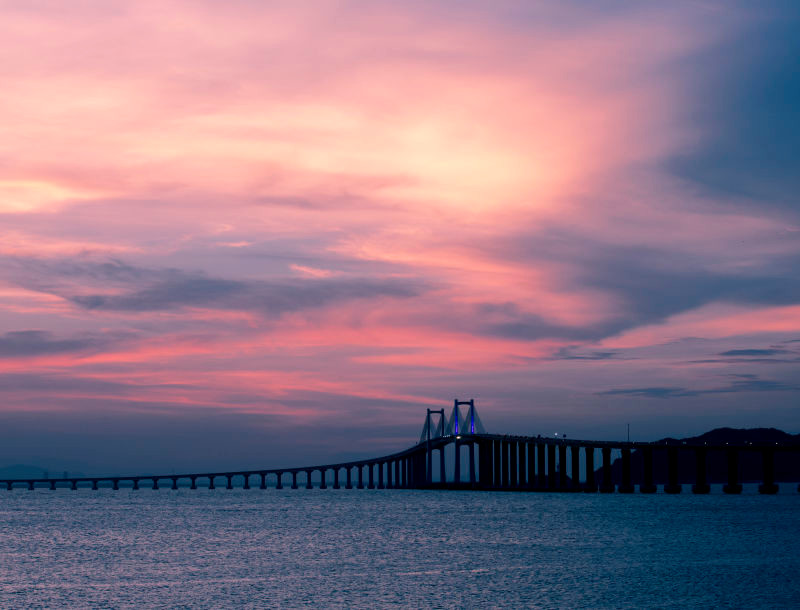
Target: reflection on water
396 548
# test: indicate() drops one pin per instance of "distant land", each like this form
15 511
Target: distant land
787 468
27 471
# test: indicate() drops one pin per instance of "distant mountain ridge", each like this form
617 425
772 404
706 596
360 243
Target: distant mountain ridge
787 466
27 471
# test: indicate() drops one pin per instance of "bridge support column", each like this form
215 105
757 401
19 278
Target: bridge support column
322 476
114 485
294 479
194 483
591 485
135 484
647 486
73 487
404 473
531 465
31 484
505 452
398 482
336 478
263 480
607 486
768 466
626 487
472 463
230 481
174 482
349 480
541 465
279 484
552 473
701 485
672 486
562 467
498 463
381 483
442 466
512 464
484 464
575 456
52 485
457 468
94 485
246 481
211 482
308 479
360 476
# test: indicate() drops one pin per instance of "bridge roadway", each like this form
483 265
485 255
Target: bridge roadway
504 463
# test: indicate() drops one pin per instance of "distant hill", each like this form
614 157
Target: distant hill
26 471
787 466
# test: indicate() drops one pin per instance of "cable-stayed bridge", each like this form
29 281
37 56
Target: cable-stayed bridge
457 452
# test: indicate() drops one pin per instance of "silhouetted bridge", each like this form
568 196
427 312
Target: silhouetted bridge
478 461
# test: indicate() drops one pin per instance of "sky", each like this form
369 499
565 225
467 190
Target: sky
255 234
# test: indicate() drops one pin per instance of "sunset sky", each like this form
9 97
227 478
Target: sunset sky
249 234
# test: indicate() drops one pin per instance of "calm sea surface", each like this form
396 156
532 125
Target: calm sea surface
396 549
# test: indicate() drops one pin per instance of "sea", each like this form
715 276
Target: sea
397 549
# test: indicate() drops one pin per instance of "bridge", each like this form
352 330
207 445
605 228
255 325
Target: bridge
478 461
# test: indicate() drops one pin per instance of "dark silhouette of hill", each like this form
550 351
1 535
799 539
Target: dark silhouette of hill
787 464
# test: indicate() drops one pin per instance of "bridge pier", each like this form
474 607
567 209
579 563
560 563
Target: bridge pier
380 475
541 465
73 487
336 478
398 481
768 467
174 482
531 451
562 467
349 484
308 479
230 481
52 485
647 486
485 464
626 487
552 473
505 452
322 475
94 485
114 486
9 485
512 464
498 463
211 482
371 477
457 468
606 487
701 485
246 481
279 484
135 484
263 480
575 456
193 479
472 464
672 486
31 484
294 479
591 485
360 477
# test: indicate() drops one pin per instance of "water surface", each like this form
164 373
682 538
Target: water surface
396 548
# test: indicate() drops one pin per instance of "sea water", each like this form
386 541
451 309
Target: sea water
396 548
